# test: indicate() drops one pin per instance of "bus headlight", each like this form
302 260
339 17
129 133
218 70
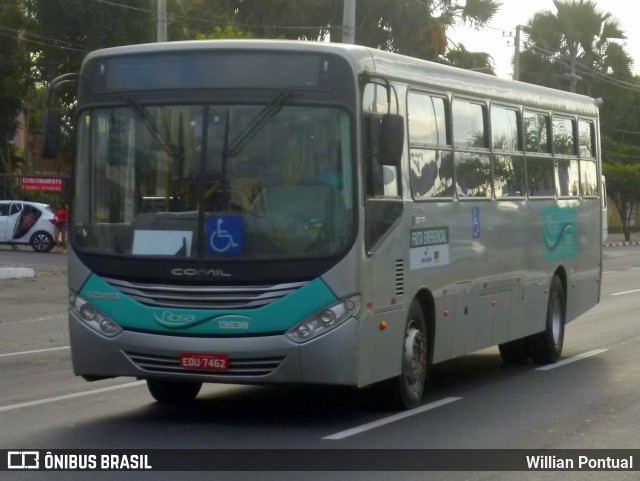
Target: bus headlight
323 321
92 316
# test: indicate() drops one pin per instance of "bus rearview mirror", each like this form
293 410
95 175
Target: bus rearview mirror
391 139
52 127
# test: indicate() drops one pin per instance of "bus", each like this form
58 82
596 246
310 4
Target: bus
283 212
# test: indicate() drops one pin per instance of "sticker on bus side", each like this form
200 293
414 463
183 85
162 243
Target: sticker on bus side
429 247
560 233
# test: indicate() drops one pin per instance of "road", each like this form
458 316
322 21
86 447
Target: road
589 400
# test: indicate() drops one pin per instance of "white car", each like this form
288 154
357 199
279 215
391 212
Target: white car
27 223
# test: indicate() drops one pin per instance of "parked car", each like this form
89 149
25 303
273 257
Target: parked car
28 223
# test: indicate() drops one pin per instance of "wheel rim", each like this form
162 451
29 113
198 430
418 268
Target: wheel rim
414 362
41 242
556 320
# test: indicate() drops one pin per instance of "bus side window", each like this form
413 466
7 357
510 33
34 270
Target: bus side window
471 160
588 163
509 170
539 158
564 148
430 152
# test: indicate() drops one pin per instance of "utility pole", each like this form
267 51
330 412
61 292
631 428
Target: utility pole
516 56
162 21
349 21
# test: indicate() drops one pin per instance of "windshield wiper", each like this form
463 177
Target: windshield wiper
258 122
174 151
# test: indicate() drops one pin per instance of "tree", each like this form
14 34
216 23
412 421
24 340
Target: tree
574 47
75 27
227 32
623 187
460 57
62 32
414 28
14 67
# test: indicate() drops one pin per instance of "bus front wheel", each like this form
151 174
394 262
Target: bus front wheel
173 392
413 374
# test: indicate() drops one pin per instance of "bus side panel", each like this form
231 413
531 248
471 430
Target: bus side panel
445 307
583 283
384 315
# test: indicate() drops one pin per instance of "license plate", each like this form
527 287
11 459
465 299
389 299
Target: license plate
211 362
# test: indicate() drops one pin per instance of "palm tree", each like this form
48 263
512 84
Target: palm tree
576 41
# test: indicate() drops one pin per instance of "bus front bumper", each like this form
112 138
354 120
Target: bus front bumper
328 359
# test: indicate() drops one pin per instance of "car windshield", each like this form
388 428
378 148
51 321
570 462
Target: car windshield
244 181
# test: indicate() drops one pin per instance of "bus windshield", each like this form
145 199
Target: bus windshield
231 181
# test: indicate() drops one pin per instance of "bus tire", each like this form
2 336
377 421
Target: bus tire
173 392
517 351
546 347
413 374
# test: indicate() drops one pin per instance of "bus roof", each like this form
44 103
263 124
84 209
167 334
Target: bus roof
392 66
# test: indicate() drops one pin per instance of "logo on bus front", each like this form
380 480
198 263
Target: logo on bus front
175 319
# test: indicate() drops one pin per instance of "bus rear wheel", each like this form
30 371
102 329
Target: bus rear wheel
546 347
173 392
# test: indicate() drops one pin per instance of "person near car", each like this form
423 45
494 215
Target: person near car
62 227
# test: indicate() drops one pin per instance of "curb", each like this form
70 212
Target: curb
622 244
16 272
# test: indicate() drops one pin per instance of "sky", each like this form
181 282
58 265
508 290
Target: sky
497 39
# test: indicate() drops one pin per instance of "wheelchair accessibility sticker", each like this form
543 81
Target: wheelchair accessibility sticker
224 235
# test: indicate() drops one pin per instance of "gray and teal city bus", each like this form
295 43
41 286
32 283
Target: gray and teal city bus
257 212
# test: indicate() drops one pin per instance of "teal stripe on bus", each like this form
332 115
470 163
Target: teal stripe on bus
277 317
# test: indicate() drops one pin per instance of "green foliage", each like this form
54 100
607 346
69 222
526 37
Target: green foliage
622 153
80 26
14 80
623 187
228 32
460 57
417 29
621 168
62 32
574 48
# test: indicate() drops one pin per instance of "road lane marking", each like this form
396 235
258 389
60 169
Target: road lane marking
391 419
37 351
572 359
622 293
62 316
38 402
